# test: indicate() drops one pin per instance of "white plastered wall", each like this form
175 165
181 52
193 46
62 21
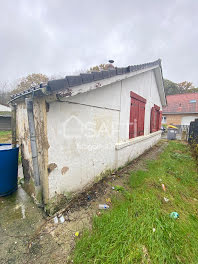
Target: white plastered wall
82 142
88 133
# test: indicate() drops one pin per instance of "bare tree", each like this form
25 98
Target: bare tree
5 89
30 80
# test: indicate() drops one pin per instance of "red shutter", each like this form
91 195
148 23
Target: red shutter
131 120
152 120
160 120
133 129
141 119
137 113
156 118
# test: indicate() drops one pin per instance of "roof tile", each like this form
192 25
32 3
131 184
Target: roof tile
181 103
74 80
119 71
57 85
87 77
105 74
97 75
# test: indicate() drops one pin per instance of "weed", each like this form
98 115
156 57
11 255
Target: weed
180 156
122 190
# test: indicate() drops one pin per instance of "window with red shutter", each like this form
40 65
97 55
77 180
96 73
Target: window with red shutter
137 113
156 118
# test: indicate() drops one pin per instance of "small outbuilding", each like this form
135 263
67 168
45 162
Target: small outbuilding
5 118
74 130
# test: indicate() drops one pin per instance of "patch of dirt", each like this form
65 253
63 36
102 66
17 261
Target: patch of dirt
146 258
78 213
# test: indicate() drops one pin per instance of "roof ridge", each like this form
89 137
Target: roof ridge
70 81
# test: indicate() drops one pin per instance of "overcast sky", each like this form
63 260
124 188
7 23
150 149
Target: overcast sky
60 36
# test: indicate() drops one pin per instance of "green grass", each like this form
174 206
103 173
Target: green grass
125 233
5 136
5 113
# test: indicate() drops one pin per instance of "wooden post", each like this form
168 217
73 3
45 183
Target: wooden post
13 125
30 113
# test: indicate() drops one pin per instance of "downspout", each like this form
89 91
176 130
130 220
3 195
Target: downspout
29 104
13 125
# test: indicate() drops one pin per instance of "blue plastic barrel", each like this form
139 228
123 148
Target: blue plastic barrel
8 169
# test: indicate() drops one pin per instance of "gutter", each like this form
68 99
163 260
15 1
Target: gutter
40 90
13 126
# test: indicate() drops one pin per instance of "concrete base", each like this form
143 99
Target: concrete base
127 151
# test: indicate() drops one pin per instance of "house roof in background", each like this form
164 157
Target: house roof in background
181 103
4 108
67 86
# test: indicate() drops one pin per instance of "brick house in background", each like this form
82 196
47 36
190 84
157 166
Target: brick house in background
181 109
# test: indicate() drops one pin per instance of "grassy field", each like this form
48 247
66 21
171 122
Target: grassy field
5 136
138 228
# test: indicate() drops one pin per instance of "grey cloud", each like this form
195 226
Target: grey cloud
58 37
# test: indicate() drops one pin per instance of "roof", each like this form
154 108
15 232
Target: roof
4 108
67 86
181 103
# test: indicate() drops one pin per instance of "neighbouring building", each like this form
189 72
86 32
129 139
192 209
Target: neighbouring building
75 129
181 109
5 117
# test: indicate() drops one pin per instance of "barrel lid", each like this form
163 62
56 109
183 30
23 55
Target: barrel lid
5 146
